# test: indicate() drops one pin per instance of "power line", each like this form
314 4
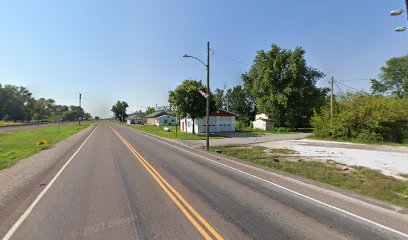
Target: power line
340 89
229 58
348 86
354 79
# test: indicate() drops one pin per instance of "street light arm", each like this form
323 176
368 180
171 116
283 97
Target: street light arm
188 56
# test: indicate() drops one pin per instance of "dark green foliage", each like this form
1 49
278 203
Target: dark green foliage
119 109
149 110
187 100
219 98
365 118
17 104
283 86
393 78
240 101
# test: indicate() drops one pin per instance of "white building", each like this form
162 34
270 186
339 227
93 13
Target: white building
220 121
165 120
135 119
263 122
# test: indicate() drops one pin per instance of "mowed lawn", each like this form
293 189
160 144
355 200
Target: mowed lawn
18 145
360 180
159 131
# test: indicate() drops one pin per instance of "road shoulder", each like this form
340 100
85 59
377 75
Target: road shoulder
21 183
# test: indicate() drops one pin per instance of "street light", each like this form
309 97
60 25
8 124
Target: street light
400 29
207 135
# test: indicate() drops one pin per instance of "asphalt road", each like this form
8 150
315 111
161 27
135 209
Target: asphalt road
122 184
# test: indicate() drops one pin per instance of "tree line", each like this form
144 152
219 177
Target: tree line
279 83
282 85
18 104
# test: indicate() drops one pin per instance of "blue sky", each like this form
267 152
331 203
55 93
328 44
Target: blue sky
132 50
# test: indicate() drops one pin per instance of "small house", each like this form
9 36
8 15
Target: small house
135 119
160 118
263 122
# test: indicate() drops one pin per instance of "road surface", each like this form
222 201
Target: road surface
122 184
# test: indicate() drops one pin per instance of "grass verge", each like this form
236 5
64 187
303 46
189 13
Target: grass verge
156 130
360 180
18 145
6 123
405 143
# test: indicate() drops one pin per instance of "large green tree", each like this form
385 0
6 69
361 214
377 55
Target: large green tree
119 109
186 98
219 98
239 101
15 103
73 114
283 86
393 78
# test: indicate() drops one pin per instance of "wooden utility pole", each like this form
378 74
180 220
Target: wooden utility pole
331 102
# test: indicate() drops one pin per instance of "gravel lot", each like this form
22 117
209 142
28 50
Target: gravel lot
389 160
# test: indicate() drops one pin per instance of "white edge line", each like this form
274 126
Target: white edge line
279 186
33 204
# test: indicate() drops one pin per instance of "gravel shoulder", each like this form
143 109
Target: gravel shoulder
21 183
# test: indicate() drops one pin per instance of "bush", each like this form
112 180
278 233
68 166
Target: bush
240 125
281 130
363 117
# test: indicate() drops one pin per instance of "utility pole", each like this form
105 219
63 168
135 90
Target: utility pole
122 114
331 102
207 138
79 120
177 120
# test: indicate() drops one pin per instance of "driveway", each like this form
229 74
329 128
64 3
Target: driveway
233 138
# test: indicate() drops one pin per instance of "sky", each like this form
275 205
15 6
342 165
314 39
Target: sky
132 50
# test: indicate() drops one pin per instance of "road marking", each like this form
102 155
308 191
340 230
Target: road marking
279 186
33 204
172 193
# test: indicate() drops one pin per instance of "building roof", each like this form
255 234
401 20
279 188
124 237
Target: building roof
264 120
157 114
223 113
165 116
134 116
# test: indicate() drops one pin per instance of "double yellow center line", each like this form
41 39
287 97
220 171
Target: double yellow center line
192 215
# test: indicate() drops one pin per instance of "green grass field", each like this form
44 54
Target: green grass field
360 180
18 145
156 130
6 123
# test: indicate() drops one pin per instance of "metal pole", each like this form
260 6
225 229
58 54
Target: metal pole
406 4
331 102
207 139
79 120
185 123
